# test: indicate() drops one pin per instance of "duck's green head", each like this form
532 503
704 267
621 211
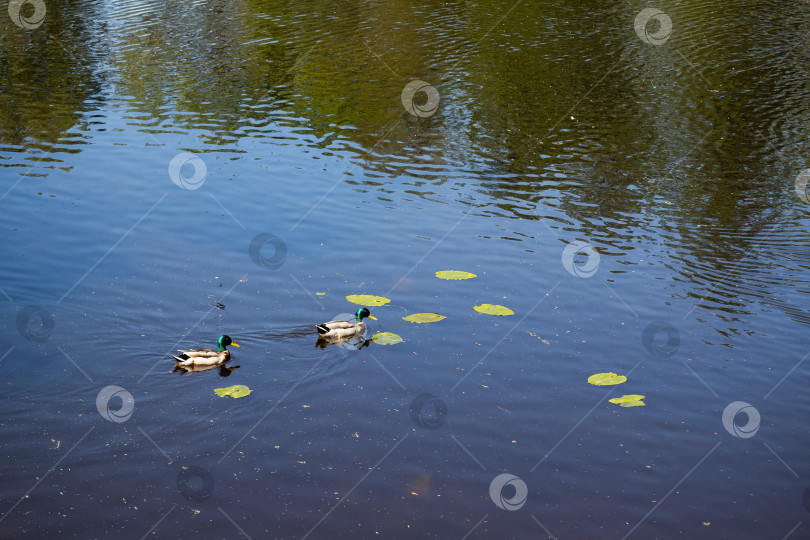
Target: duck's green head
223 342
364 312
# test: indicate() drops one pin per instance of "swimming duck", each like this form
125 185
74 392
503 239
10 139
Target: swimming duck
344 329
207 357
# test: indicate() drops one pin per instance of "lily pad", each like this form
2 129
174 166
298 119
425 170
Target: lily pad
235 391
386 338
368 299
420 318
493 309
606 379
629 400
454 274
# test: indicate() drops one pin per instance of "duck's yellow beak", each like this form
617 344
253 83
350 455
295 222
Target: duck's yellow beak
372 317
234 344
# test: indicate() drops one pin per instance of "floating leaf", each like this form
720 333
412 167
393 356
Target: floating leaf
368 299
454 274
493 309
235 391
423 317
629 400
547 342
386 338
606 379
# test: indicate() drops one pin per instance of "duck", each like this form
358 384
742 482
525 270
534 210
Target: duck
345 329
207 357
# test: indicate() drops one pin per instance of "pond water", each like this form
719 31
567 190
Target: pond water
630 180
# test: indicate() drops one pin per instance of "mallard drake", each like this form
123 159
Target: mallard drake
207 357
345 329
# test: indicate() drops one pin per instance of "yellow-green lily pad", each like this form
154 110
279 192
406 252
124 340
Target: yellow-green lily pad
629 400
386 338
606 379
236 391
420 318
493 309
454 274
368 299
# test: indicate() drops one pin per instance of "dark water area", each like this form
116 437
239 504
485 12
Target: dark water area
629 179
